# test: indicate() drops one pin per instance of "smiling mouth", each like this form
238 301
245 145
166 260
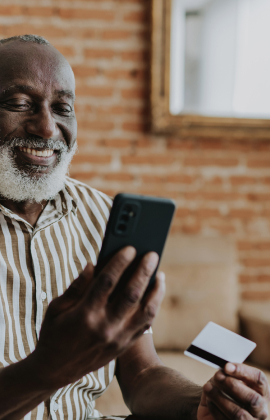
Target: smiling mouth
36 152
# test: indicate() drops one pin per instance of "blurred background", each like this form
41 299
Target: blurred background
217 258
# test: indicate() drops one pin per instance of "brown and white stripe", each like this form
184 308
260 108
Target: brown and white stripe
37 265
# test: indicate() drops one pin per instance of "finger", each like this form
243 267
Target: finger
247 397
252 377
74 292
108 278
225 406
136 286
144 316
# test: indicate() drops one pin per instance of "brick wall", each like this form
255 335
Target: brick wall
221 186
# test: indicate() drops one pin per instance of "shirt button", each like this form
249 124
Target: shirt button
55 406
43 295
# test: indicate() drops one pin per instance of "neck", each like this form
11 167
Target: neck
27 210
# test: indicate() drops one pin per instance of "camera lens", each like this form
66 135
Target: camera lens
122 227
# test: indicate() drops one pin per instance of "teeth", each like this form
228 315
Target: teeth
41 153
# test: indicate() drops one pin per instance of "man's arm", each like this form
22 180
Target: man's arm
83 330
21 389
152 390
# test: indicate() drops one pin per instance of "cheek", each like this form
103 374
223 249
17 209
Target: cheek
11 124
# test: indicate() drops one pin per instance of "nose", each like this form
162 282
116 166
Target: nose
43 125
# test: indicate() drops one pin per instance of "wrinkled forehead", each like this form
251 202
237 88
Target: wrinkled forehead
42 66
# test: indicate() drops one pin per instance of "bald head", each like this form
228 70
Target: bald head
37 118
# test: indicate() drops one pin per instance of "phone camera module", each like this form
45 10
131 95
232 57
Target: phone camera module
122 228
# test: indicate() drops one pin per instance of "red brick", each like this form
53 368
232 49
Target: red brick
154 179
116 34
199 161
256 295
135 56
258 197
119 74
66 50
95 125
242 180
246 279
89 14
91 158
119 176
98 53
133 93
134 127
258 163
82 176
84 71
147 160
206 213
115 143
180 179
40 11
182 212
248 245
135 17
94 91
254 262
11 10
243 213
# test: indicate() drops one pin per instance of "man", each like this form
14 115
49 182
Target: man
51 229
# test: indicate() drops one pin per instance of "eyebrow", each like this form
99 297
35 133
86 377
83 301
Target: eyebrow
17 88
67 93
27 88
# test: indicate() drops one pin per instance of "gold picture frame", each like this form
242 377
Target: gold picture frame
162 121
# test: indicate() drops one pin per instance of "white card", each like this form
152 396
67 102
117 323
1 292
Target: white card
215 346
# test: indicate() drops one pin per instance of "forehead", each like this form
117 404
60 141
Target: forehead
41 67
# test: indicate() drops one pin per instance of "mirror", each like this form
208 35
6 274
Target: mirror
211 65
220 58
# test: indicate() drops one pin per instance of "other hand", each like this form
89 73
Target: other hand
84 330
238 392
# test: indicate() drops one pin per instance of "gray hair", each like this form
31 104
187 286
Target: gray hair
26 38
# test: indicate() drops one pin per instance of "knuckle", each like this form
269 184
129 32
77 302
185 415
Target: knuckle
240 414
105 282
132 297
146 270
150 312
255 400
261 380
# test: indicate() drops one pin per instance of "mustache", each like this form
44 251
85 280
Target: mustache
35 143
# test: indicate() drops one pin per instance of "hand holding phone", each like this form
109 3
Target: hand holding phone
139 221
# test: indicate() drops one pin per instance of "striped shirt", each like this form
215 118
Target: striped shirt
37 264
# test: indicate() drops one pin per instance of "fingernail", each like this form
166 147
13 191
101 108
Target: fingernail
152 260
220 376
230 368
208 387
162 276
130 252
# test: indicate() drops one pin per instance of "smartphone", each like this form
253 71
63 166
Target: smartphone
140 221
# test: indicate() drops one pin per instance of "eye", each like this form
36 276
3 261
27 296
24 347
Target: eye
62 109
17 104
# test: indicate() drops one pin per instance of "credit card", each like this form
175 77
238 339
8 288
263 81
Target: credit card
215 346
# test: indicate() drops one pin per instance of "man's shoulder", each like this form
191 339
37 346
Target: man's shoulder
84 194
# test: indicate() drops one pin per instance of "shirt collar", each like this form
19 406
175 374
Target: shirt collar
64 202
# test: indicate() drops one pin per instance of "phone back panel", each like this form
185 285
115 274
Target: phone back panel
140 221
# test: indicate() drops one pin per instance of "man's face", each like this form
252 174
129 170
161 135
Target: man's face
38 127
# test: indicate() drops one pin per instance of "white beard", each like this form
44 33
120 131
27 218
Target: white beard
17 185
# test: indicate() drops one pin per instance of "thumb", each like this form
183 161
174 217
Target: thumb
74 292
